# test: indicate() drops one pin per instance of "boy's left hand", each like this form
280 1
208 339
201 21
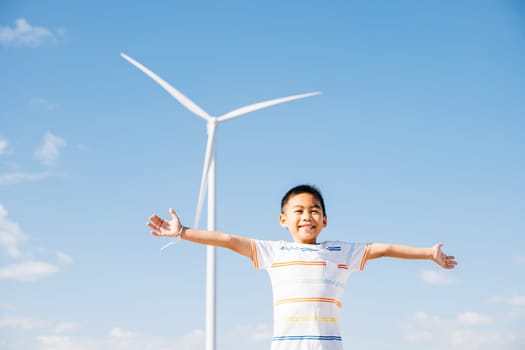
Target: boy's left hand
161 227
442 259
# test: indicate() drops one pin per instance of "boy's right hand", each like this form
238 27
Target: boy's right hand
442 259
165 228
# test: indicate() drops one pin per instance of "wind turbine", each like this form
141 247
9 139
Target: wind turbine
208 178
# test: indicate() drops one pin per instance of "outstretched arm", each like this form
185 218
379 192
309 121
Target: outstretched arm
378 250
174 228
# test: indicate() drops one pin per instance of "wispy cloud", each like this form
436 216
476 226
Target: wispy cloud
23 269
253 333
435 277
465 331
29 324
29 271
519 259
22 323
11 234
24 34
470 318
67 327
122 339
516 300
43 103
64 258
4 144
13 178
49 151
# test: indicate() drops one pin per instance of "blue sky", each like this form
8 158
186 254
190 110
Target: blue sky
417 138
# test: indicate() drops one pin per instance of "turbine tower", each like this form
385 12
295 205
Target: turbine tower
208 178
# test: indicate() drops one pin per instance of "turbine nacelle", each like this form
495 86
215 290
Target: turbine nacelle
212 124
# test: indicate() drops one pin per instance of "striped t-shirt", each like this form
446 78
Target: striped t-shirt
308 284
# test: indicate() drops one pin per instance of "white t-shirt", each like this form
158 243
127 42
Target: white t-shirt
308 284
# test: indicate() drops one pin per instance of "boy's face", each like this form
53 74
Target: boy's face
304 218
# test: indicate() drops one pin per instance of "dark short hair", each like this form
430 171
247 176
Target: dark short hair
311 189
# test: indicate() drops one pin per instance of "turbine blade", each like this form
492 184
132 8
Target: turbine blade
210 151
253 107
176 94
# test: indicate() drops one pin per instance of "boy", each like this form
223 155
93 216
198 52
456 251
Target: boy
307 277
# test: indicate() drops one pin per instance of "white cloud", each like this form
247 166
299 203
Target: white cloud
465 331
49 151
517 300
4 144
253 333
435 277
64 258
29 271
520 259
11 234
426 320
43 103
419 336
473 319
81 147
193 340
24 34
21 323
120 333
476 339
18 177
67 326
55 342
121 339
31 324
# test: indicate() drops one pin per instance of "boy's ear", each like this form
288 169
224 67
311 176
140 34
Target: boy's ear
325 221
282 220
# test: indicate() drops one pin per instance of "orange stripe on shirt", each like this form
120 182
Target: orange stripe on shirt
255 259
299 262
365 257
309 300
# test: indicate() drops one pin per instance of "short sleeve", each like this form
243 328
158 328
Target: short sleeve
263 253
357 254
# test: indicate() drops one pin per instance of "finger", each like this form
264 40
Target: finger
152 219
152 226
157 220
451 264
155 230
